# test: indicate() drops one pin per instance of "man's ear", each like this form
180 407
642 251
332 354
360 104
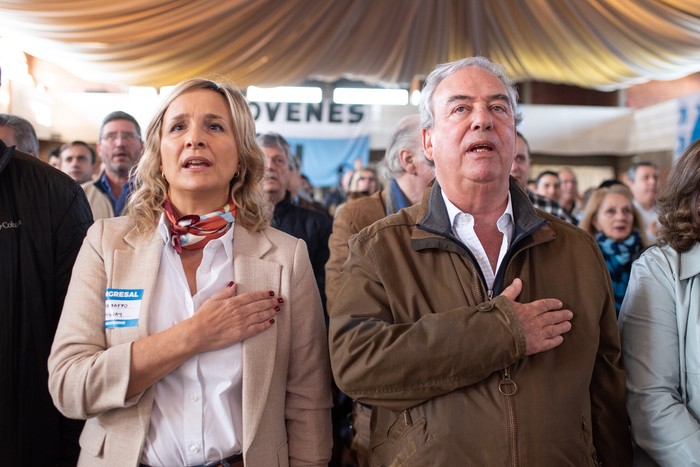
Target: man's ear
407 160
427 136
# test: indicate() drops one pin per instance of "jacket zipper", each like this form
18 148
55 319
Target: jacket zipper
508 388
479 290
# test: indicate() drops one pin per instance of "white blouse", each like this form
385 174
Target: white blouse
197 410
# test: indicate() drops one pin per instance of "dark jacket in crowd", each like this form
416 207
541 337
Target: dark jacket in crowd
311 226
44 217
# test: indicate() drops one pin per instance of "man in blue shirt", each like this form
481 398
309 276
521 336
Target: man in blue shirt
119 147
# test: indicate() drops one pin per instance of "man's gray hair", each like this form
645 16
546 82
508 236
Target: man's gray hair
446 70
406 135
24 133
120 115
275 140
632 171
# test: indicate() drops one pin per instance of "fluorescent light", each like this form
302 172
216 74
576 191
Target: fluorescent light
415 97
308 94
370 96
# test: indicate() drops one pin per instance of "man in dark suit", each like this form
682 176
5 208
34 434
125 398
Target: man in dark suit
311 226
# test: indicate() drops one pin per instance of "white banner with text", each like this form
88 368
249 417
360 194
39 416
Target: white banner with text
327 137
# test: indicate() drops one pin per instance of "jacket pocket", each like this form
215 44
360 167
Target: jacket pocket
92 439
404 438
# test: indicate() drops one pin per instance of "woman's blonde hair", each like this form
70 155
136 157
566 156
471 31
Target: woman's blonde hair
596 200
146 202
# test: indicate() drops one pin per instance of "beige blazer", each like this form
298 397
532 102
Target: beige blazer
286 372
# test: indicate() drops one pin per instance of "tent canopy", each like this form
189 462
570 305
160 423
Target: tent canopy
600 44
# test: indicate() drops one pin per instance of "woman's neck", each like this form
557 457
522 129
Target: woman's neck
199 205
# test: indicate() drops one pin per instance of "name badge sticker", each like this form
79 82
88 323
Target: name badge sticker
122 308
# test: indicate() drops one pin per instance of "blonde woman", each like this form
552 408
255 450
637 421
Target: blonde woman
611 218
192 333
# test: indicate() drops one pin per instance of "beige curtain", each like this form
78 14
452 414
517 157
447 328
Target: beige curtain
603 44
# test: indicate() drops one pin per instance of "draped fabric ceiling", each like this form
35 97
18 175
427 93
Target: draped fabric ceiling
602 44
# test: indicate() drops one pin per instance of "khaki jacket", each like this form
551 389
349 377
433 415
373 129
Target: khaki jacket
286 376
414 333
350 218
100 204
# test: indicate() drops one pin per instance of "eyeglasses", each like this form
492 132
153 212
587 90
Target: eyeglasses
125 136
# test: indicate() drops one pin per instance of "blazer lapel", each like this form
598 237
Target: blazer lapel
251 272
136 267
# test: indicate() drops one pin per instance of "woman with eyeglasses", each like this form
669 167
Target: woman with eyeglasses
192 333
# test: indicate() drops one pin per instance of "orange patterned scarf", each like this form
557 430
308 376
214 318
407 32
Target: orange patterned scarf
192 232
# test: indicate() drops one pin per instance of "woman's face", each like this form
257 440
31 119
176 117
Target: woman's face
615 217
198 150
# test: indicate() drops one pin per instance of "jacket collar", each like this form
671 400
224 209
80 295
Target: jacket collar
394 198
5 155
434 218
97 182
690 262
284 204
434 229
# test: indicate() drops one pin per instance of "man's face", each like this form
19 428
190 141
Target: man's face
76 161
276 176
119 147
472 141
520 168
645 185
7 135
366 182
569 186
548 186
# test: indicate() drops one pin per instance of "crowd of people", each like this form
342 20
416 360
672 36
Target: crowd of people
191 303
